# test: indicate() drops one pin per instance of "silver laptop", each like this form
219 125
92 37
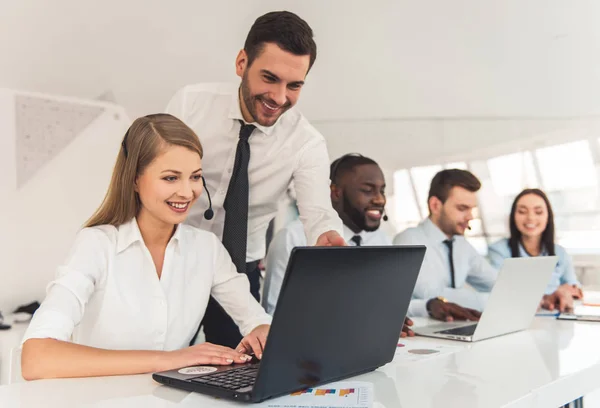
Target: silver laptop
511 305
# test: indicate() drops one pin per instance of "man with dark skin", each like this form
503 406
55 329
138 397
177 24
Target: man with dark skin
358 196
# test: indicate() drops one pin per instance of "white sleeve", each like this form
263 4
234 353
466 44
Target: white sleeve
232 290
311 181
277 261
176 105
75 282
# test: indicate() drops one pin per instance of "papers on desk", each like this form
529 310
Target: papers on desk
587 310
342 394
582 312
591 298
412 349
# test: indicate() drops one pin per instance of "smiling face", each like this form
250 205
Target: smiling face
531 215
271 85
170 185
359 198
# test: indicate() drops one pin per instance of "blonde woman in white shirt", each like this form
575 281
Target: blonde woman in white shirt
135 286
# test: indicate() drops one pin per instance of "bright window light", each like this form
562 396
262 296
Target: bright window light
567 167
405 205
512 173
422 179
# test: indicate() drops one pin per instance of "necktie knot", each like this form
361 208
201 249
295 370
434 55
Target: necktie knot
357 239
449 243
246 130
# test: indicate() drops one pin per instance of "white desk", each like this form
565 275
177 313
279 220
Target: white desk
9 339
547 366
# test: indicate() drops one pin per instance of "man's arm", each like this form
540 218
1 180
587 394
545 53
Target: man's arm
311 181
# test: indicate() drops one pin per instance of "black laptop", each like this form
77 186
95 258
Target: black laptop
339 314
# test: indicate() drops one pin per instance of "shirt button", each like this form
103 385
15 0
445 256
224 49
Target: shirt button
223 192
229 170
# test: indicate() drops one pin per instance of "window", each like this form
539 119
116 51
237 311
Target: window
512 173
406 213
569 177
421 177
567 166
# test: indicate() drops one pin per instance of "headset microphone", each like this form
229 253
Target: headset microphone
209 213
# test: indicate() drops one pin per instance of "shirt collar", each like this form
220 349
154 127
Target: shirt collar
524 253
433 232
129 233
235 113
348 234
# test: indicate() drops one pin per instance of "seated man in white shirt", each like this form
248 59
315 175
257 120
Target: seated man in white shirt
450 261
358 196
256 143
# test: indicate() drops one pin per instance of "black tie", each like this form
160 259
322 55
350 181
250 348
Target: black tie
235 230
449 244
357 239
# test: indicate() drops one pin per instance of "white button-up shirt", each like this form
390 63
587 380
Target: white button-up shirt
435 277
108 294
292 236
289 150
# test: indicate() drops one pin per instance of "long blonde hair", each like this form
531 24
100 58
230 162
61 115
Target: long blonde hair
144 140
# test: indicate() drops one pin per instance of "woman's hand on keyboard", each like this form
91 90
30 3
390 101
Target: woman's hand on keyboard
204 354
255 341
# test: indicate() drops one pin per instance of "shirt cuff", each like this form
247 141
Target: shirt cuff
49 324
264 318
333 225
418 308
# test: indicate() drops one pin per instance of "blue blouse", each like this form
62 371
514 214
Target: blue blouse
563 273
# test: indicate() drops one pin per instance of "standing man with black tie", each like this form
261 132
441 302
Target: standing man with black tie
450 261
255 144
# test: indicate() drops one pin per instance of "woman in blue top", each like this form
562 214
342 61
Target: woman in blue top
532 234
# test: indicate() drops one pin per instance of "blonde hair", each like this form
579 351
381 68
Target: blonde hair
144 140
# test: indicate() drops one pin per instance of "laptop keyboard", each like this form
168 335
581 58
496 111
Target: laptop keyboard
460 331
234 379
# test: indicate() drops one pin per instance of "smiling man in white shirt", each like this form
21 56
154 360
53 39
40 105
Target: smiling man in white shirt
358 196
275 145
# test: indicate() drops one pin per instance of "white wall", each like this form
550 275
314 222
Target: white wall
382 59
40 219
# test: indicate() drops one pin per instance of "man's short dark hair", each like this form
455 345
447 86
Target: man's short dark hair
346 164
285 29
443 182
